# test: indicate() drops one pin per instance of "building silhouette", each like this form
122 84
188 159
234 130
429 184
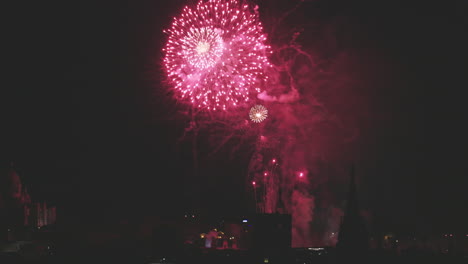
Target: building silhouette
18 212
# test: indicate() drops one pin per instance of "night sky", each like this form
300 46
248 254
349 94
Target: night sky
89 125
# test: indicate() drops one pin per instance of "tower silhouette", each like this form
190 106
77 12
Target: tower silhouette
353 236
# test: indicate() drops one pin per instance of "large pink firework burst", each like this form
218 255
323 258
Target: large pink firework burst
216 54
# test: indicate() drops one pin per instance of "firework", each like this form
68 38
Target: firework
216 54
258 113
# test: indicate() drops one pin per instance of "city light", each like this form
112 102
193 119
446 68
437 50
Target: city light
316 249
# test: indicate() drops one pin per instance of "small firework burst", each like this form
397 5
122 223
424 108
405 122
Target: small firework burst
258 113
202 47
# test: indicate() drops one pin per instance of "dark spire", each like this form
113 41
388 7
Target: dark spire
352 239
352 206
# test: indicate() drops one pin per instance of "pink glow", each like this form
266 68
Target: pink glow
301 174
216 54
253 183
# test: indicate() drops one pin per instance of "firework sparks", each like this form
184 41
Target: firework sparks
258 113
202 47
216 54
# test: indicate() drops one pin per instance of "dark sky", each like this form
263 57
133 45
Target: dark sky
89 126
